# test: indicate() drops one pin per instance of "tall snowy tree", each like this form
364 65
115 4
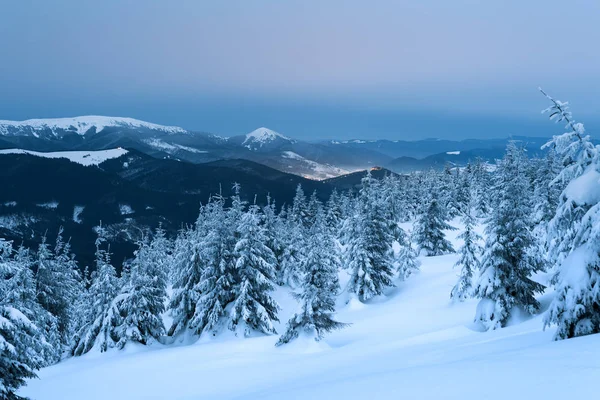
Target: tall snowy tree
469 253
368 255
573 232
22 344
429 230
319 286
253 308
408 262
142 298
510 256
102 315
217 279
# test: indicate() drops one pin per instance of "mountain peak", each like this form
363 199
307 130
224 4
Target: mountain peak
79 125
262 136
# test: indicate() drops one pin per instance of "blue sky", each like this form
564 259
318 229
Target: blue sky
309 69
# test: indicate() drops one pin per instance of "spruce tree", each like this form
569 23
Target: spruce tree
102 315
253 308
510 255
469 253
22 345
368 254
141 300
429 230
573 234
319 286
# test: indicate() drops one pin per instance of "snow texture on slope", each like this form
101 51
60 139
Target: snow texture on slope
80 157
413 343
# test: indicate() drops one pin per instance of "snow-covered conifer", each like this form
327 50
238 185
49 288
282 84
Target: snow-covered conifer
368 240
319 286
253 308
574 233
429 230
510 256
469 253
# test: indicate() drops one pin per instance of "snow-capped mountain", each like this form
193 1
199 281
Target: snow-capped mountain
80 125
264 138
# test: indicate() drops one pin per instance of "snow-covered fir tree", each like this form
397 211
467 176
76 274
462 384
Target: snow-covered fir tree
253 308
368 254
469 252
574 233
319 286
510 255
429 230
217 280
102 313
22 344
141 301
407 261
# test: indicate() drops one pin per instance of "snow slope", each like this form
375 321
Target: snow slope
81 125
316 170
411 344
80 157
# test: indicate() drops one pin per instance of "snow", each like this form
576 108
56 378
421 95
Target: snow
453 153
171 147
125 209
83 124
10 204
51 205
586 188
318 170
414 342
261 136
85 158
77 210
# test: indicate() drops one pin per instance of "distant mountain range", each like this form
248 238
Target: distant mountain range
133 175
321 160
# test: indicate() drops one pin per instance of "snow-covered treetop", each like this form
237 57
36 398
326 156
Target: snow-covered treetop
262 136
80 125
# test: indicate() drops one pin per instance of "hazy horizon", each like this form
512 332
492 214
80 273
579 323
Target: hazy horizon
340 70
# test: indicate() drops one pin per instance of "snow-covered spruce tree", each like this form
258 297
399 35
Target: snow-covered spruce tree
273 230
408 262
429 230
334 213
22 345
299 213
142 299
469 252
293 234
102 315
186 274
546 191
368 255
218 276
574 231
319 286
510 255
253 308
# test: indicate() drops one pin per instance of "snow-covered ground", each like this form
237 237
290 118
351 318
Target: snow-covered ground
86 158
413 344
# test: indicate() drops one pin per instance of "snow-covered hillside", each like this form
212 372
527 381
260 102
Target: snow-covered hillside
413 343
79 125
314 170
80 157
263 136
